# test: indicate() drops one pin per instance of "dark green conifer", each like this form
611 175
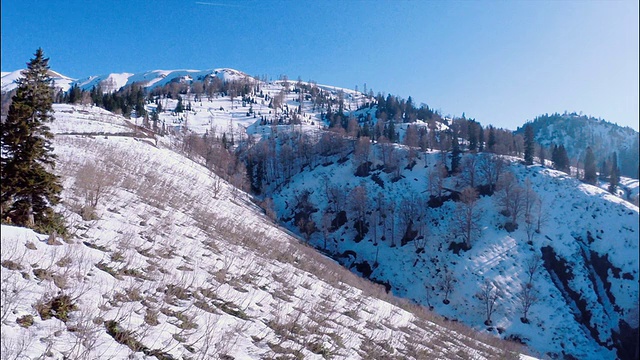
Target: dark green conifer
29 189
614 177
590 172
529 145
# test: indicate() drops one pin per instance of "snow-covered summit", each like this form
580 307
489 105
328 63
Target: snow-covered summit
60 81
114 81
155 78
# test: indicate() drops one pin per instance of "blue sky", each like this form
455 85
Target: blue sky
500 62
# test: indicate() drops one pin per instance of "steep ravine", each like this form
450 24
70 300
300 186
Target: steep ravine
623 338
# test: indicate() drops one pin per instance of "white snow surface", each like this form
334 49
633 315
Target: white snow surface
189 273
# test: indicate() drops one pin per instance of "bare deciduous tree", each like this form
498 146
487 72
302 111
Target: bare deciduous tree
528 296
469 170
510 197
358 201
490 167
93 183
436 179
362 151
446 283
467 217
488 295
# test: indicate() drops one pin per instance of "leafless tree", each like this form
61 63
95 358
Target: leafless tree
362 151
337 197
467 217
358 200
510 196
93 182
446 283
307 227
528 296
531 202
532 266
411 137
488 295
469 169
216 185
490 167
393 162
326 226
352 128
541 216
437 174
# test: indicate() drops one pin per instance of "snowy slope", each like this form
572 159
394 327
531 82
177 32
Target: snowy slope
588 230
167 268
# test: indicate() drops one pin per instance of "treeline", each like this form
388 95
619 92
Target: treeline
585 131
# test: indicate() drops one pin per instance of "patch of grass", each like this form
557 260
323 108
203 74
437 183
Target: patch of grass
203 305
64 262
25 321
109 270
97 247
11 265
117 256
133 273
232 309
42 274
59 307
151 317
178 291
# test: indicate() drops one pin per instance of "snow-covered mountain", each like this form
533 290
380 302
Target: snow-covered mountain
115 81
389 230
577 132
175 263
60 81
151 79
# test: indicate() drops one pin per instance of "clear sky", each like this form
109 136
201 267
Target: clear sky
500 62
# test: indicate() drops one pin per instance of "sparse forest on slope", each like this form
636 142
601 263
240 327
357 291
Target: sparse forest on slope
577 132
441 211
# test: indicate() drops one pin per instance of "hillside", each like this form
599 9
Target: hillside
173 263
577 132
588 244
370 182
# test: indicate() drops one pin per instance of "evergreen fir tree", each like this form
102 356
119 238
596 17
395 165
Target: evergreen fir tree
29 190
560 158
455 154
179 106
605 169
614 177
491 142
528 145
590 173
472 136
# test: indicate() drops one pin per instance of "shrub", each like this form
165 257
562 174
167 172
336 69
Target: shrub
25 321
59 307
